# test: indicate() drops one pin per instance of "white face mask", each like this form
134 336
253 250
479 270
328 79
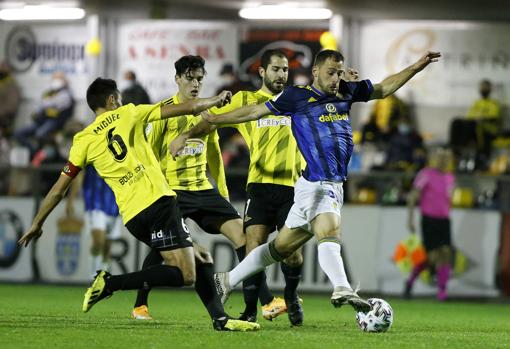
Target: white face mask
228 79
57 84
404 129
301 80
124 84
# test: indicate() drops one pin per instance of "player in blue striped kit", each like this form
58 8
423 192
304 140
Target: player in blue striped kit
320 123
101 217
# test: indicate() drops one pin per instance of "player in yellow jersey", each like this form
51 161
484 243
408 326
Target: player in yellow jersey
187 174
275 165
116 146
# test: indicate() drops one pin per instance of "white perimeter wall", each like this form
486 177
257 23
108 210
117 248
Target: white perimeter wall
370 235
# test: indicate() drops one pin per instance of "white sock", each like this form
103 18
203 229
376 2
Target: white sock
97 263
332 264
255 261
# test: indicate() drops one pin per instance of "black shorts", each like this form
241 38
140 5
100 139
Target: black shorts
160 226
207 208
435 232
268 204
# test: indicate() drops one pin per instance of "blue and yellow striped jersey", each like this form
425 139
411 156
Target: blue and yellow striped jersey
321 126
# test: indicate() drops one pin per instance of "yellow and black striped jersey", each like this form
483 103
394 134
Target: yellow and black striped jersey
274 155
189 170
116 146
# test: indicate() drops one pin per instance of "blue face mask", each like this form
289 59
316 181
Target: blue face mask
50 151
404 129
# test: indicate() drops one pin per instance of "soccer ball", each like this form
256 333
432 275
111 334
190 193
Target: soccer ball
379 319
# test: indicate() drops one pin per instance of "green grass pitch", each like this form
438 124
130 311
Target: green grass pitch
50 317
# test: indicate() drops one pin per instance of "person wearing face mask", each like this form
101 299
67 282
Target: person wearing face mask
54 110
486 111
387 111
233 147
405 147
485 107
133 91
230 81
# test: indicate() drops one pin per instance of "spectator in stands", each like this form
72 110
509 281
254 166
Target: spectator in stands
487 114
10 98
233 148
301 76
134 92
387 111
485 108
55 109
230 80
371 133
405 147
9 102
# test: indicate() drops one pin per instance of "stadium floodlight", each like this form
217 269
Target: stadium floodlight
41 13
284 12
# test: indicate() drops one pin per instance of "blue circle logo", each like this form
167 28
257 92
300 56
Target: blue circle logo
20 49
11 230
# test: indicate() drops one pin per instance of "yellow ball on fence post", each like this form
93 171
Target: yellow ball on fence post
93 47
328 41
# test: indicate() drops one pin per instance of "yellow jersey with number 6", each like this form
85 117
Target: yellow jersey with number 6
116 146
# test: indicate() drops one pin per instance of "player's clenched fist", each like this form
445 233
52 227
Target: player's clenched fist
224 98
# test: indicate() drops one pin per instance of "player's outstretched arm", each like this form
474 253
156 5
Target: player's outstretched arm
247 113
392 83
199 130
195 106
51 200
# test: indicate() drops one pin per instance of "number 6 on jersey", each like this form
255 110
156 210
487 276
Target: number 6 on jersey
116 145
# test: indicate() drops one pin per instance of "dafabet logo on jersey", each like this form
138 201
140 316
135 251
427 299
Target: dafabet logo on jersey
333 114
333 117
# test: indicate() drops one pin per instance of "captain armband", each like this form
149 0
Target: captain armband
71 170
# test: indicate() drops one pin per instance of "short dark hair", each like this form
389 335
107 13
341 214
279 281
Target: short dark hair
189 63
323 55
266 57
99 91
